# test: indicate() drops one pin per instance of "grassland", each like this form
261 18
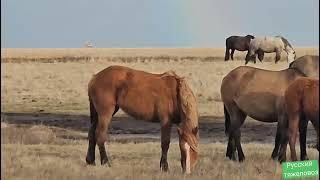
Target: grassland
54 81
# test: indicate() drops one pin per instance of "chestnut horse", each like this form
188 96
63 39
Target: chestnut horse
164 98
258 93
301 100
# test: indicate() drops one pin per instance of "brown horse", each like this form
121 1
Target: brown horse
308 64
240 43
258 93
164 98
301 100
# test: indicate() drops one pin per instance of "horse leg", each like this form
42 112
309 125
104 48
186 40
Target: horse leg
275 151
91 136
231 148
247 57
92 144
104 119
165 142
254 57
226 56
232 52
237 118
281 139
260 55
303 138
293 130
278 55
102 149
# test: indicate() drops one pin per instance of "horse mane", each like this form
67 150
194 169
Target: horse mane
188 113
297 70
170 73
285 42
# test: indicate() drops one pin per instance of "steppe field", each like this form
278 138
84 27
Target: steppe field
45 116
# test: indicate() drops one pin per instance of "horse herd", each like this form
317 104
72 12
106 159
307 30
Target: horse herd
259 46
289 97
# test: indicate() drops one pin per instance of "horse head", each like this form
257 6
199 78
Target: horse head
249 36
188 128
291 54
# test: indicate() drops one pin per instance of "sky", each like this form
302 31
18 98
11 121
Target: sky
154 23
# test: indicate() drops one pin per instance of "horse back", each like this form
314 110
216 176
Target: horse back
246 79
256 92
308 65
302 96
238 42
141 94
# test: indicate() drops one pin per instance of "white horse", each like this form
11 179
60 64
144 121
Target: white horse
277 44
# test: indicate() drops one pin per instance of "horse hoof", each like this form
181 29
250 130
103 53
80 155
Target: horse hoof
304 158
274 156
281 160
241 159
164 167
105 162
90 161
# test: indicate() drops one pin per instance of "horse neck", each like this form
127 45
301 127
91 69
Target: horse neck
295 73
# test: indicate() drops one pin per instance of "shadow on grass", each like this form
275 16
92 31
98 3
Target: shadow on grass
125 128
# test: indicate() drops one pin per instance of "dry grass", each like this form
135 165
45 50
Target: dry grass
42 152
127 52
61 87
129 161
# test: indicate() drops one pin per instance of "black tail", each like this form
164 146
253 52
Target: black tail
227 119
227 54
93 113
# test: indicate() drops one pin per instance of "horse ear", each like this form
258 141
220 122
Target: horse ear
180 132
195 130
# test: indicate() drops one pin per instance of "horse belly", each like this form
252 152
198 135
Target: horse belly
268 48
139 106
259 106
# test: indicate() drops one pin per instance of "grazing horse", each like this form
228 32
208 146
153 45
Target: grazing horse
164 98
301 100
309 64
277 44
240 43
258 93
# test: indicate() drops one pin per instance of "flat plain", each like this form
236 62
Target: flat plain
45 117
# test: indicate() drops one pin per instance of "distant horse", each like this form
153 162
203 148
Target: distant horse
240 43
277 44
302 104
164 98
258 93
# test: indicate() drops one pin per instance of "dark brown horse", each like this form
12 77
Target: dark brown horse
240 43
164 98
258 93
301 100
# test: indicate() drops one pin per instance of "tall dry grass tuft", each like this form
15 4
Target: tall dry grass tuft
37 134
135 161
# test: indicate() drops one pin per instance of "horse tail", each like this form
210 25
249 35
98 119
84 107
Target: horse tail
227 119
227 54
285 42
93 112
